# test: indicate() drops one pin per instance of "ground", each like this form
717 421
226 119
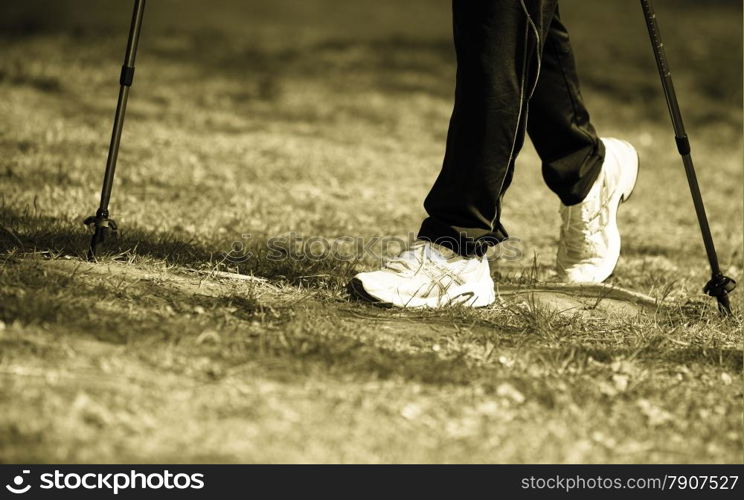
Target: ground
263 148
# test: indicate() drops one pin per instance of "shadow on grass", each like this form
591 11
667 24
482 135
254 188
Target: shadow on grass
285 340
25 231
149 319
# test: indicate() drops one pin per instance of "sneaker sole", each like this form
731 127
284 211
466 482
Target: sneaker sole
466 299
356 290
625 197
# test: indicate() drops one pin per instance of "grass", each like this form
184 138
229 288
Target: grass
236 140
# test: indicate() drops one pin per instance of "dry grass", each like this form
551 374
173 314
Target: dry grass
314 130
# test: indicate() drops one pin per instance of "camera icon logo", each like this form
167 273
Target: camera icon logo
19 489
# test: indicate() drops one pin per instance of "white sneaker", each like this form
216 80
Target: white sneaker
589 246
428 275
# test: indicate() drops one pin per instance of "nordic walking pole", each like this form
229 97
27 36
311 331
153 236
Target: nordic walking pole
719 285
101 223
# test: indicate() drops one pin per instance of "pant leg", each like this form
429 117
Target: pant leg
559 124
498 48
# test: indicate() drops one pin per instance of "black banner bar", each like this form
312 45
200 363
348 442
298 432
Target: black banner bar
338 481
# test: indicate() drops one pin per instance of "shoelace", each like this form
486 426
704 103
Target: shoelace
421 254
402 262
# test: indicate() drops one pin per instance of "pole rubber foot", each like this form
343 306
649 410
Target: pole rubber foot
103 227
720 287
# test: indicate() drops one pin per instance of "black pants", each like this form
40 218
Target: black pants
515 72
